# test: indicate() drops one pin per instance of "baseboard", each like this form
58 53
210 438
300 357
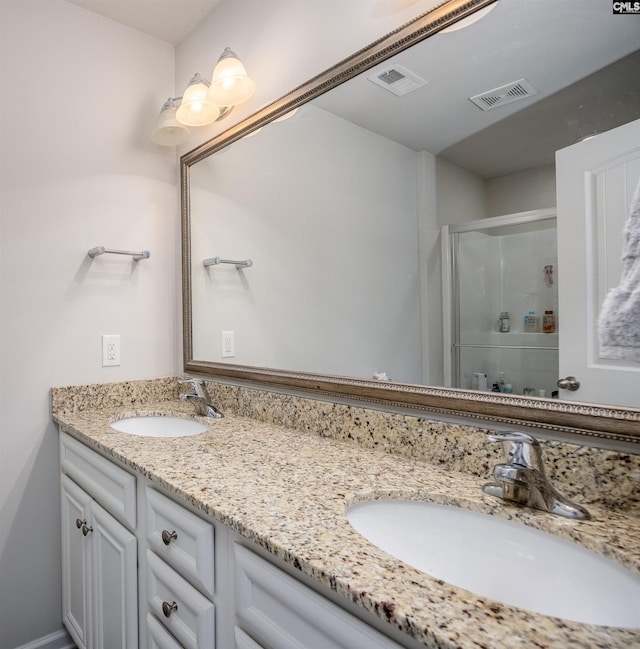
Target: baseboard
58 640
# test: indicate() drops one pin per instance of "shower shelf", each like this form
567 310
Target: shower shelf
479 346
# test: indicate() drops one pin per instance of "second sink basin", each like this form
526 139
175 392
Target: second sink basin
503 560
159 426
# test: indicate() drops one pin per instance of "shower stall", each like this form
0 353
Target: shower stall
500 304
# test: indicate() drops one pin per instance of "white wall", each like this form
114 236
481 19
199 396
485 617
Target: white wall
461 194
327 212
79 96
532 189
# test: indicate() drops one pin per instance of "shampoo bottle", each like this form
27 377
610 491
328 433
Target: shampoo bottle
549 322
530 322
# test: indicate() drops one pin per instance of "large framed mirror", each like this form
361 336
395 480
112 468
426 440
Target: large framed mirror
313 255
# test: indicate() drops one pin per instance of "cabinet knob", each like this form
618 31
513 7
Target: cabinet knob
569 383
167 536
80 523
167 608
86 529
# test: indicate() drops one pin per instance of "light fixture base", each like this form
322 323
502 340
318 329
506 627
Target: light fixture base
224 111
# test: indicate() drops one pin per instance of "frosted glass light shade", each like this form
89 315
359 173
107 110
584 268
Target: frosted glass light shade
196 108
168 130
230 84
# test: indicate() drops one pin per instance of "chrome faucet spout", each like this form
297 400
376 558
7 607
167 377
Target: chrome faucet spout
200 399
522 479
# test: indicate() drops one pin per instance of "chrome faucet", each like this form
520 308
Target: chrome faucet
200 398
521 479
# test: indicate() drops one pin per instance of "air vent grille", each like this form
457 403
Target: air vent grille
397 80
507 94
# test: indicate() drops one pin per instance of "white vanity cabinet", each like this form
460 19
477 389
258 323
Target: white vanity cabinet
141 569
99 554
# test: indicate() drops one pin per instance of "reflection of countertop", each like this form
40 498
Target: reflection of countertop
287 491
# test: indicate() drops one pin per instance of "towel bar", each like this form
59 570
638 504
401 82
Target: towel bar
214 261
101 250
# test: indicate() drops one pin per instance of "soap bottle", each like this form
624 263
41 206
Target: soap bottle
549 322
530 322
504 322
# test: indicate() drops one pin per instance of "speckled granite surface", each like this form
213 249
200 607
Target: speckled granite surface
287 490
590 475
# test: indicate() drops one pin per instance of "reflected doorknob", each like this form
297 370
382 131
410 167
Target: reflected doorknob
569 383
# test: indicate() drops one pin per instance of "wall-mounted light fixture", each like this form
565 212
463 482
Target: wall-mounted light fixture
204 102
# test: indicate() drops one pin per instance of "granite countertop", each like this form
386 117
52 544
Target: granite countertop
288 490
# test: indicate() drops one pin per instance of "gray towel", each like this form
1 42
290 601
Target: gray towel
619 322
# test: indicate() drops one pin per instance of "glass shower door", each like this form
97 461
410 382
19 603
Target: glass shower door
504 266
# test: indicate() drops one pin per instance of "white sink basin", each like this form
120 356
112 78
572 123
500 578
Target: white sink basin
503 560
159 426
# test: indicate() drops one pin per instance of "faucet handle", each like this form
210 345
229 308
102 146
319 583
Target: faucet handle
197 386
520 448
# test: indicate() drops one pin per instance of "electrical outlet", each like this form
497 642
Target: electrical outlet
228 345
110 350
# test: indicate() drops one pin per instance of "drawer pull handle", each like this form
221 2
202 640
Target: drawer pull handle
167 608
167 536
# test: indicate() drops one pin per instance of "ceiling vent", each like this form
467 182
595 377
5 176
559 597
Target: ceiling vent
507 94
397 80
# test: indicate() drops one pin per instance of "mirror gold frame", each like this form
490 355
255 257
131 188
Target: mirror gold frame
595 425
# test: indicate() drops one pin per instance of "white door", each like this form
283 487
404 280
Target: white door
596 180
115 592
76 563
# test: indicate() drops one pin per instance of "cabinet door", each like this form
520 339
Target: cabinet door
76 558
114 591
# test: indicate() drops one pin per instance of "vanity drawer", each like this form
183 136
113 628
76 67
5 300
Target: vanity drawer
243 641
158 637
192 621
281 613
182 539
108 484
